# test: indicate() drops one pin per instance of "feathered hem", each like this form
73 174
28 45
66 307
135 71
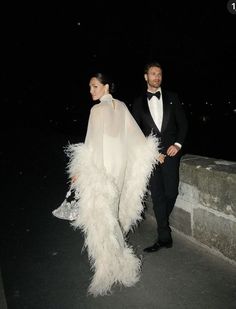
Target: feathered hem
105 215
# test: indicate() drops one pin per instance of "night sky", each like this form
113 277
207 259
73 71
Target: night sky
49 51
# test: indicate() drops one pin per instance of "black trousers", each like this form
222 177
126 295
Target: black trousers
164 185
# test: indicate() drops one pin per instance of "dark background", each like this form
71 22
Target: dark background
48 52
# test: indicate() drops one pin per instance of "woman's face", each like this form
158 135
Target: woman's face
97 89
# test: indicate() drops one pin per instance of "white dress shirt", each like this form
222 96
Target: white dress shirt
156 110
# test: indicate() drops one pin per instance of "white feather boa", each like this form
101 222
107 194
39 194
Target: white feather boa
106 215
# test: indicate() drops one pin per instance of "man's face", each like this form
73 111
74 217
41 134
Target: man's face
153 77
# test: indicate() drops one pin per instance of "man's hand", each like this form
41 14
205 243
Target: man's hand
173 150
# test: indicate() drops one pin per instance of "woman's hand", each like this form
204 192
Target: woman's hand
161 158
73 179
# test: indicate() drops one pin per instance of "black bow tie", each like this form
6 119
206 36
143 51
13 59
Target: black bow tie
150 95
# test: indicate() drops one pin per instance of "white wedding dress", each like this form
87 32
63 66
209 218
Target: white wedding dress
113 166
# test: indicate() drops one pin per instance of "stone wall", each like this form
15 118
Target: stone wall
205 209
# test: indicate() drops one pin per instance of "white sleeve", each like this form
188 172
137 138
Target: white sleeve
94 135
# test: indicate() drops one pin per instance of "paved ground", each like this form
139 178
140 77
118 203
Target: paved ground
42 264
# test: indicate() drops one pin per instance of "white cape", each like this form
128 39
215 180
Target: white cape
113 166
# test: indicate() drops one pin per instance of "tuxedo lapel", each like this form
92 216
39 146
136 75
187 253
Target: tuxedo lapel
147 115
166 110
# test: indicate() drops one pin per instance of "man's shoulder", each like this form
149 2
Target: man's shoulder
170 93
171 96
138 99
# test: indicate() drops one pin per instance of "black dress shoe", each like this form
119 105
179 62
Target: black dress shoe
158 245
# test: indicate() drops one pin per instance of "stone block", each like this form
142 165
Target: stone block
181 220
215 231
215 180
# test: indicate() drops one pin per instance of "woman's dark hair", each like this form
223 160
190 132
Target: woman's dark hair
105 79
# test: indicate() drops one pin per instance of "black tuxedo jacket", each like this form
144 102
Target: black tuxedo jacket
174 124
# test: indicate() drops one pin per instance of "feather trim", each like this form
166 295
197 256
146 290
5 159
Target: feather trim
141 161
111 259
105 215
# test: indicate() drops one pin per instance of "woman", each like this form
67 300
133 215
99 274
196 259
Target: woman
110 172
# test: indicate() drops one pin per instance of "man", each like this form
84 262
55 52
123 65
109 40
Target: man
160 112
